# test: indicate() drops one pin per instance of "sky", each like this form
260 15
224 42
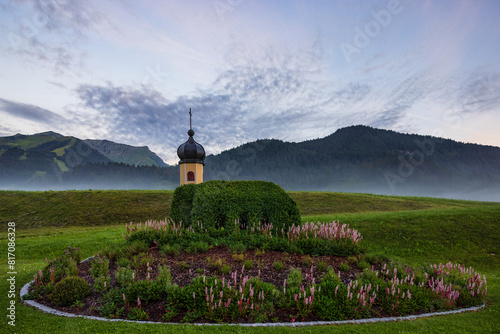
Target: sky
128 71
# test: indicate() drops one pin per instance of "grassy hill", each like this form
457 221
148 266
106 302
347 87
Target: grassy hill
110 207
408 229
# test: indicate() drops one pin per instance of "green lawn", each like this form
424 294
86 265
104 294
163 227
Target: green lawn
410 230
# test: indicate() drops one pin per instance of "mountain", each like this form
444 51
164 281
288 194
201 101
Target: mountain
365 159
43 157
130 155
50 160
353 159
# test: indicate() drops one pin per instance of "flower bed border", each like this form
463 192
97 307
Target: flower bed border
46 309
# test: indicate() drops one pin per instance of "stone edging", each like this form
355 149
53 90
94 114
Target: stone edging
49 310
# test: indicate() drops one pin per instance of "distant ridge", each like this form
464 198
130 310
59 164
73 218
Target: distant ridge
50 134
132 155
365 159
352 159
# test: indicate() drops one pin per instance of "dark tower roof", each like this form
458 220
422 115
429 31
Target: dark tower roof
191 151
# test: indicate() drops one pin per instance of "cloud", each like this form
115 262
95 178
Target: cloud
144 115
77 16
30 112
51 33
265 98
478 92
277 94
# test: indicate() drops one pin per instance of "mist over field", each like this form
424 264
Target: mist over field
356 159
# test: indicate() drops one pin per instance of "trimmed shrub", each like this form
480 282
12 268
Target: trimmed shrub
182 204
69 290
218 204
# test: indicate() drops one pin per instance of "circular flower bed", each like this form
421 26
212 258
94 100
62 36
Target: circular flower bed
255 274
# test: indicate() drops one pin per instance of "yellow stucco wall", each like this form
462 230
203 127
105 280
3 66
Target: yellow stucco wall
194 167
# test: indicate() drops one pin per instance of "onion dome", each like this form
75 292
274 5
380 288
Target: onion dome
191 151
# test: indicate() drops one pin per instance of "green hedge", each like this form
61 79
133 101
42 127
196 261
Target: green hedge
218 204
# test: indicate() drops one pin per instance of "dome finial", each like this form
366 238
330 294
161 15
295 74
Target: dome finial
190 131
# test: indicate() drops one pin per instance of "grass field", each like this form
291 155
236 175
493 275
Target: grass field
410 230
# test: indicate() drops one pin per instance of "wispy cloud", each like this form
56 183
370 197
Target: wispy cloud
51 33
262 99
30 112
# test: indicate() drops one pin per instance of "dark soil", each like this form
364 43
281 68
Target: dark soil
184 267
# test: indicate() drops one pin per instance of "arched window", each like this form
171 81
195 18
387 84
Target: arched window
190 176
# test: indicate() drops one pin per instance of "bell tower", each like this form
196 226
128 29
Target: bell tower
191 155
